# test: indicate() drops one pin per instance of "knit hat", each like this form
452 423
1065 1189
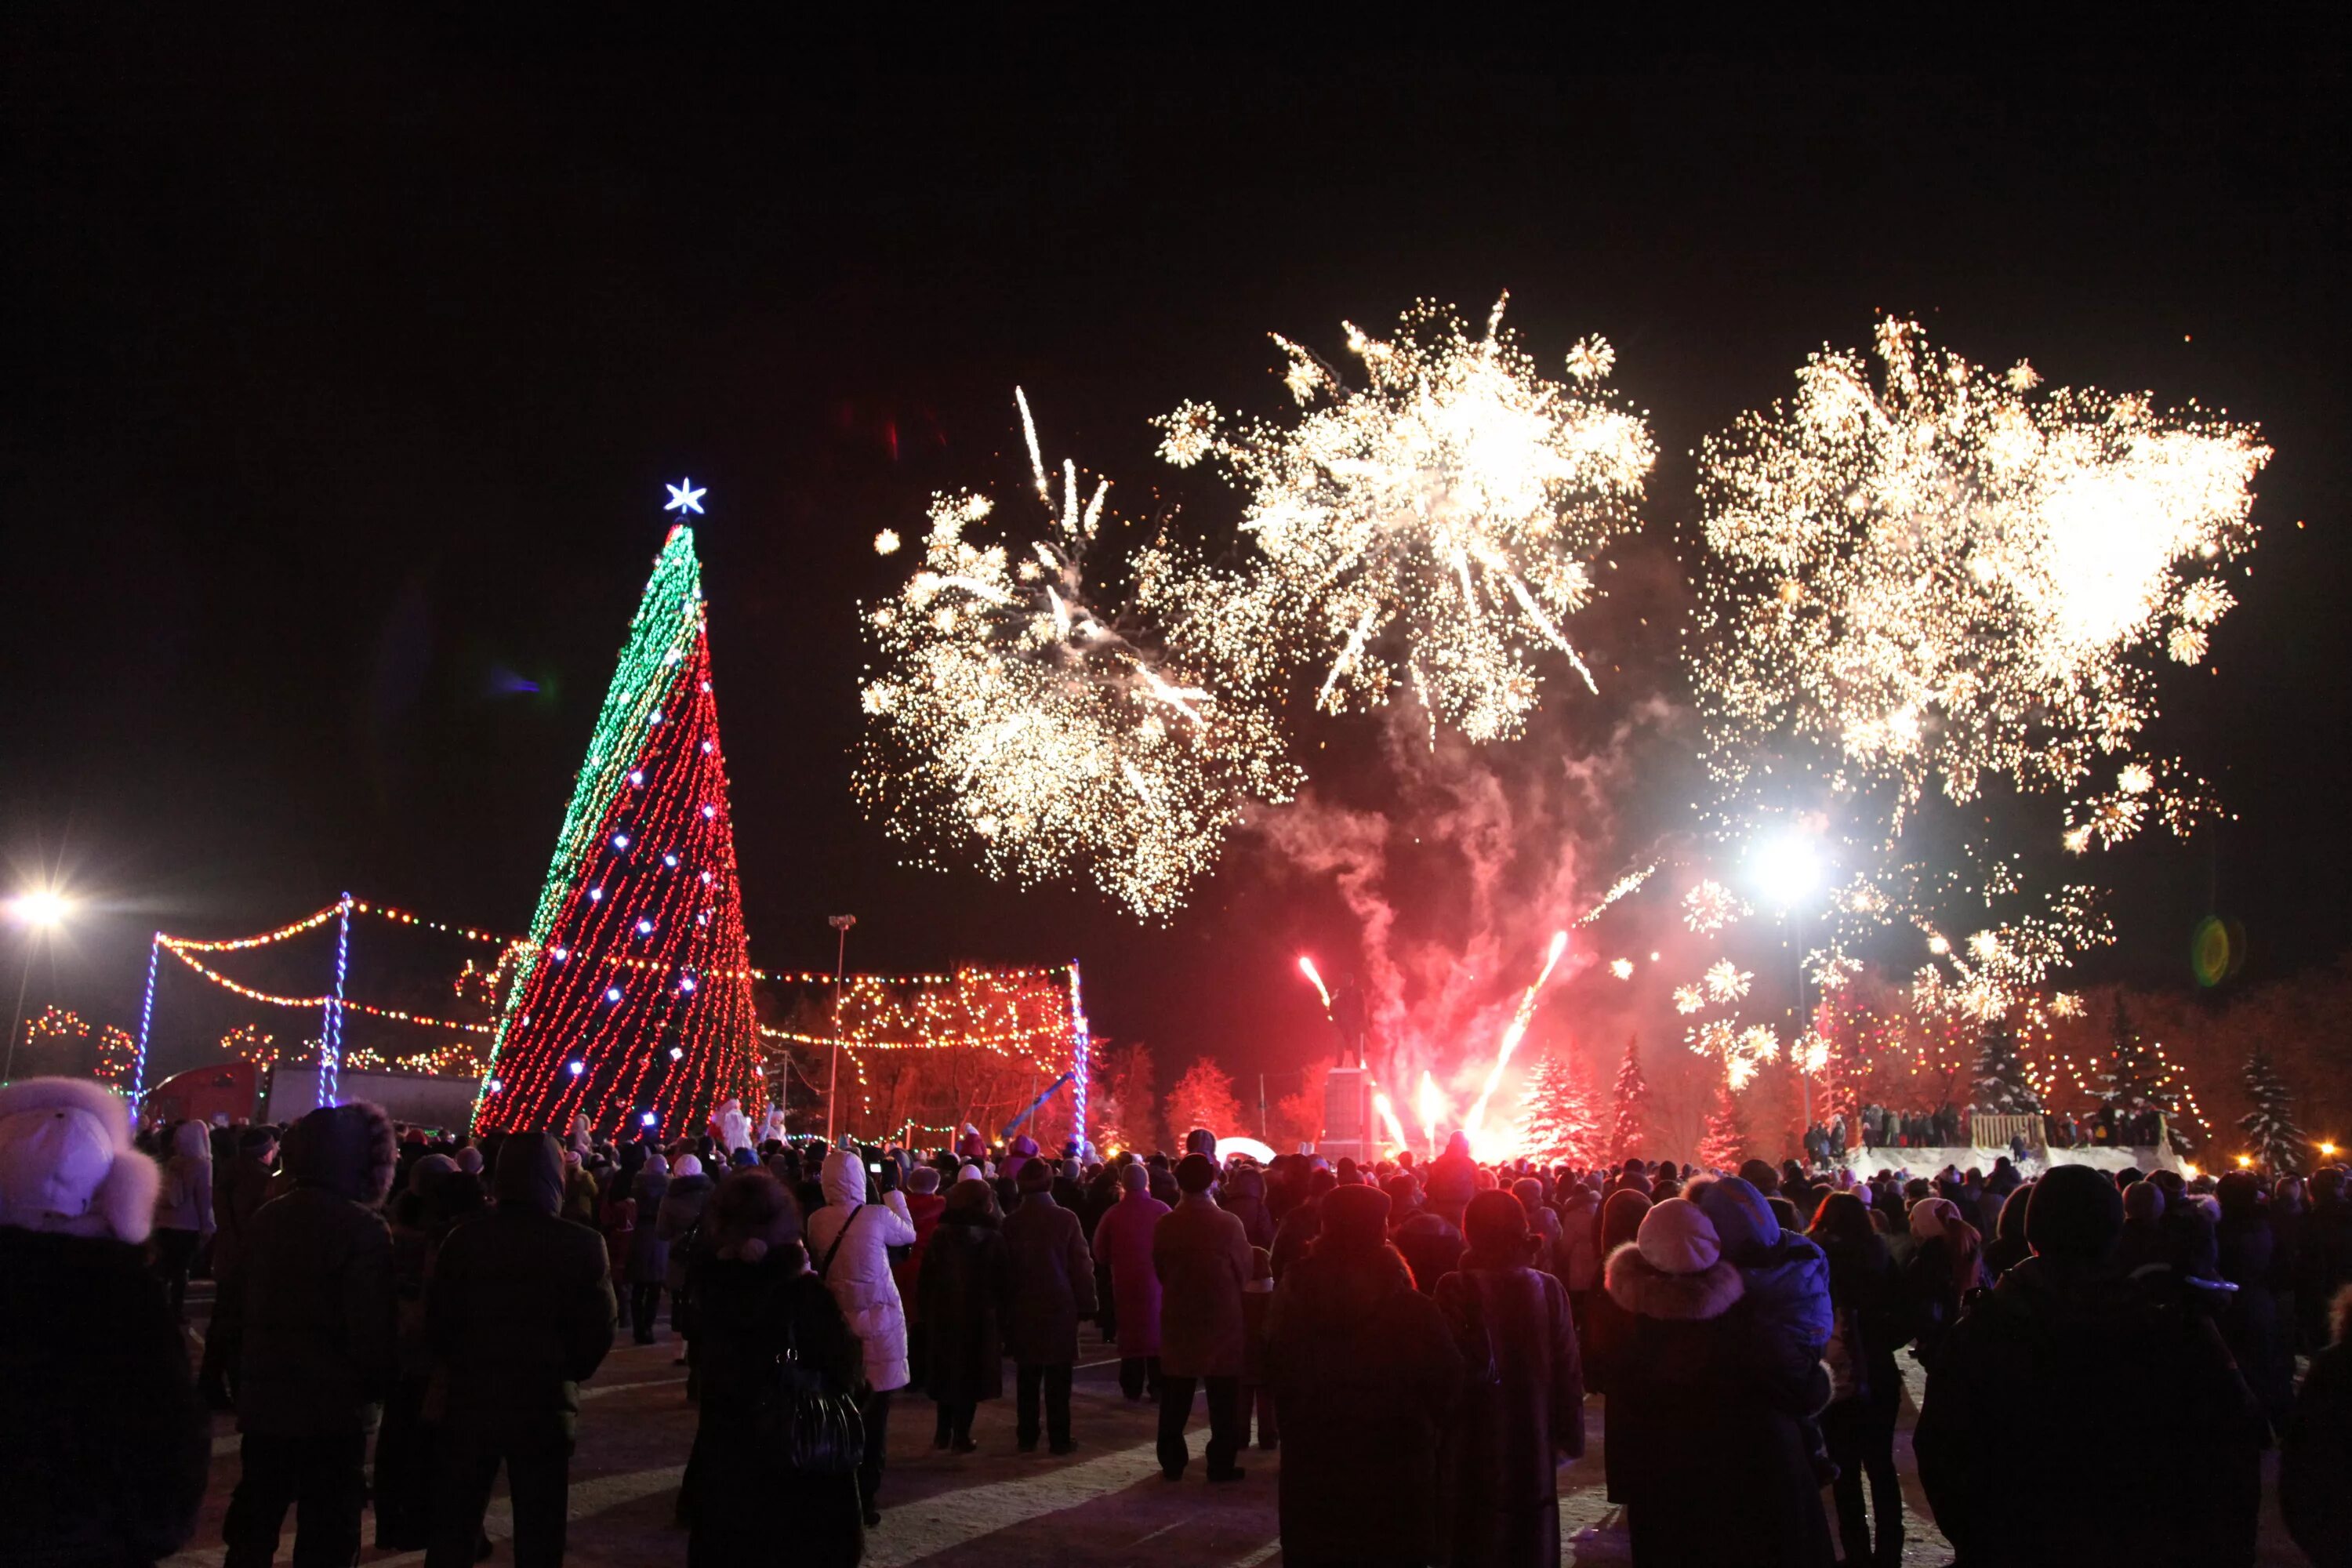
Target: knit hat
1355 1219
1927 1218
1494 1223
1677 1238
1196 1173
2075 1213
922 1179
969 1174
1134 1179
687 1165
66 1163
1037 1176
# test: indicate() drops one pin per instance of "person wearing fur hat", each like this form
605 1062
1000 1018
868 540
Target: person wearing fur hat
1700 1377
519 1311
1521 1420
1369 1380
2066 1330
105 1445
1053 1279
1201 1256
961 1297
760 1302
311 1310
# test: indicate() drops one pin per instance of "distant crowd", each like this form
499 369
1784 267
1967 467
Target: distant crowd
401 1315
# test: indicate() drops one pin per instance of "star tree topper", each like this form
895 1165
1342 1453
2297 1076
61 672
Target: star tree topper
685 498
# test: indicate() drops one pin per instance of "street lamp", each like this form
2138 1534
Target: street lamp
39 912
1787 870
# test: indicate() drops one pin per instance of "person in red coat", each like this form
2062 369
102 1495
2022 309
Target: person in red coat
1520 1421
1203 1256
924 1207
1123 1238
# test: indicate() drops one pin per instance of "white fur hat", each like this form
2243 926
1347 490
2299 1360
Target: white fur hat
66 1163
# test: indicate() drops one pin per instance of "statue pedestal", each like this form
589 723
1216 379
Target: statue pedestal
1348 1129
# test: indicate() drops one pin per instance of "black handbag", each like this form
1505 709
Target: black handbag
816 1427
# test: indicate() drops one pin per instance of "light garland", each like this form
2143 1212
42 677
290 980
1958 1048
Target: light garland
271 999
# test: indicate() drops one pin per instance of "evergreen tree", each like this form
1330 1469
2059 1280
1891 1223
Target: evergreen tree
2271 1136
2002 1088
633 1003
1126 1103
1558 1122
2132 1082
1632 1119
1723 1146
1204 1097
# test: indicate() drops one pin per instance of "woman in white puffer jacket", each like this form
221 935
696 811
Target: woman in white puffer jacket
859 1277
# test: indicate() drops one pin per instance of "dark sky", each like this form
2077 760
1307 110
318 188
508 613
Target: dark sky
347 359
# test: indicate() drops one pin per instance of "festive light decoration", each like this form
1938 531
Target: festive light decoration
609 876
1021 715
1434 527
331 1035
684 498
146 1023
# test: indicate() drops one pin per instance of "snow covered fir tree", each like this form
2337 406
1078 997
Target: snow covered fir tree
1631 1117
1723 1146
2001 1088
2273 1140
1558 1122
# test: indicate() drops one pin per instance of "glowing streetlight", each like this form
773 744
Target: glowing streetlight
2327 1149
39 912
1785 867
2244 1161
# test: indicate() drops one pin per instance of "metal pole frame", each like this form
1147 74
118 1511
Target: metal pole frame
146 1018
331 1035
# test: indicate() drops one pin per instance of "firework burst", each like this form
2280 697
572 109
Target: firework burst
1435 528
1019 717
1938 575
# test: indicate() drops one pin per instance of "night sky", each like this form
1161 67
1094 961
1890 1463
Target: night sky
348 359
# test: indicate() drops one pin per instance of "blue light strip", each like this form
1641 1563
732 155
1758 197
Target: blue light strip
1078 1062
330 1038
146 1017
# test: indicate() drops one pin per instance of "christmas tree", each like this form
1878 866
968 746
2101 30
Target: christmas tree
2133 1081
1558 1122
633 1001
1723 1146
2002 1088
1633 1105
2271 1136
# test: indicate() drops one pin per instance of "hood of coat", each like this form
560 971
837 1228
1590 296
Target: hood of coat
1642 1287
193 1140
66 1163
1244 1181
1744 1223
347 1149
531 1172
844 1178
1340 1294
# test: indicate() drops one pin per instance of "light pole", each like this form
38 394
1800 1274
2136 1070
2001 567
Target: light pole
1787 868
39 912
840 924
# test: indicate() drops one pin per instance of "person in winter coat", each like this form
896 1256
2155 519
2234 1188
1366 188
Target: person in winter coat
1700 1377
1609 1327
2315 1452
1258 1384
1123 1240
1785 1280
851 1240
1543 1224
759 1303
648 1249
1945 1268
1865 1386
104 1447
2007 1248
2251 1324
1432 1244
1369 1380
1452 1182
680 1214
964 1292
311 1311
1299 1227
402 1477
2064 1331
519 1311
1053 1286
1575 1257
1242 1194
1525 1401
183 1210
1201 1256
238 1189
617 1219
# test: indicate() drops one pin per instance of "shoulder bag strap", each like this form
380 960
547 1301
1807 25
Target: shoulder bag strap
838 1238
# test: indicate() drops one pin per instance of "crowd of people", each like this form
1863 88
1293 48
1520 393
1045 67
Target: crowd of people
2105 1357
1947 1126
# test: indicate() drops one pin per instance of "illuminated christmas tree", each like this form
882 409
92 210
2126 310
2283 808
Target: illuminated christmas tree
1723 1146
2134 1080
1633 1096
2001 1088
632 1001
1558 1122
